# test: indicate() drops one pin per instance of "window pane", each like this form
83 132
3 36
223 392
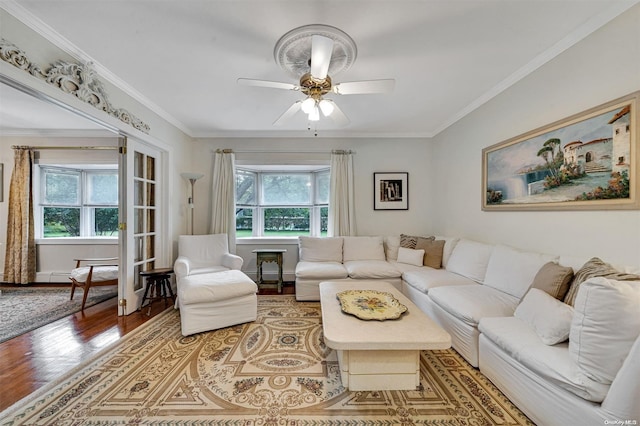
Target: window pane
61 222
244 222
105 222
322 188
286 189
286 222
61 188
102 188
324 221
245 188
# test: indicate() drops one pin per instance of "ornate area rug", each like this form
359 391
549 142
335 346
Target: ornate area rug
275 371
23 309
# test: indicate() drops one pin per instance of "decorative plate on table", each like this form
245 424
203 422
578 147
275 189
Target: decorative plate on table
371 304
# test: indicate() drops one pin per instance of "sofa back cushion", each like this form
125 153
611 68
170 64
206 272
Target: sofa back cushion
512 271
449 245
391 246
605 325
318 249
470 259
363 248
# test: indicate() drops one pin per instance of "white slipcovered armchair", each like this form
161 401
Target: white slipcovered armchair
212 290
201 254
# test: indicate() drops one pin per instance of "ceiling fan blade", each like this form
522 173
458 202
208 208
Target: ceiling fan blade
321 49
288 114
364 87
266 83
338 116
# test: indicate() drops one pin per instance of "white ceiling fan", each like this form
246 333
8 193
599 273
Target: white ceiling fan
310 53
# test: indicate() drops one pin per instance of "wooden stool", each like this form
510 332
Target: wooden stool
158 286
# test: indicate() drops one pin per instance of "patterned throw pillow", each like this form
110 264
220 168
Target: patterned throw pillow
410 241
595 268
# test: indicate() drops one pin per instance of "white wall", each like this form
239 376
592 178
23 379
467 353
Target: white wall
371 155
603 67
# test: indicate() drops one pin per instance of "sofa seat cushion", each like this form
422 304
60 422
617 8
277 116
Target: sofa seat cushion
320 270
374 269
426 278
470 303
216 286
552 363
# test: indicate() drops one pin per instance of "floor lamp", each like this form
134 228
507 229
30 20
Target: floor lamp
192 178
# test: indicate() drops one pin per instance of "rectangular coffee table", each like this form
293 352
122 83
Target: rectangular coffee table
378 355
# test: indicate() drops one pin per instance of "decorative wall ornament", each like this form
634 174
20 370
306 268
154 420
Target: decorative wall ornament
79 80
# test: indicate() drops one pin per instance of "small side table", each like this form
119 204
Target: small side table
266 256
158 286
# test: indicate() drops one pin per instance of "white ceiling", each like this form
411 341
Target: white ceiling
183 56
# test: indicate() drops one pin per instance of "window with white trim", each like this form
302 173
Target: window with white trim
78 202
281 203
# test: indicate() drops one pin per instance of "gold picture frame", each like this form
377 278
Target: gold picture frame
585 162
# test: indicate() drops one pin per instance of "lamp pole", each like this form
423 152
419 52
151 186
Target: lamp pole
192 178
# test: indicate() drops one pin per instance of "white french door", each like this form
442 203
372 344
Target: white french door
140 205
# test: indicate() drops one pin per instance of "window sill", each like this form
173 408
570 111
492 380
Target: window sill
76 241
267 240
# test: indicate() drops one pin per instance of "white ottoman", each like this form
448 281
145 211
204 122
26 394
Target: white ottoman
216 300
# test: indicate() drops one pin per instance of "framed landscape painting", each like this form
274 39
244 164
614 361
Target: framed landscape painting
391 191
584 162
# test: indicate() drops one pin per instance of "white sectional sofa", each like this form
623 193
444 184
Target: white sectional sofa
504 309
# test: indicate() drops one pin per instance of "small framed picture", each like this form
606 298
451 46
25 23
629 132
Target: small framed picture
391 191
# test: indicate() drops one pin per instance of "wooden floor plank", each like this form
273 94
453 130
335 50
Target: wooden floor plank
31 360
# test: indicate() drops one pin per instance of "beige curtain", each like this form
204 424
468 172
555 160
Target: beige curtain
20 257
223 196
342 215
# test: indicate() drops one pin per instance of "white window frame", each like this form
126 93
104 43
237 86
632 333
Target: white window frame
87 215
259 207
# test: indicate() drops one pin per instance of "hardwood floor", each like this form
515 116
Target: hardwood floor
32 360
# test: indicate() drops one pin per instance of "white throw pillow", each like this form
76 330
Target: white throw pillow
363 248
470 259
606 322
549 317
324 249
410 256
512 271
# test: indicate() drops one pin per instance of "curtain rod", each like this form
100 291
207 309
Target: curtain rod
335 151
40 148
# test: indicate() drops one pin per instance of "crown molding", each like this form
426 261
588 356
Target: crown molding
40 27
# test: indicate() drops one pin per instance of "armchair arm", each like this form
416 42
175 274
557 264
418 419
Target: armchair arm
182 266
232 261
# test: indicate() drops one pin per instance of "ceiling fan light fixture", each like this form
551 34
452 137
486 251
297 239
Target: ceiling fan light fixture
314 115
326 106
307 105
